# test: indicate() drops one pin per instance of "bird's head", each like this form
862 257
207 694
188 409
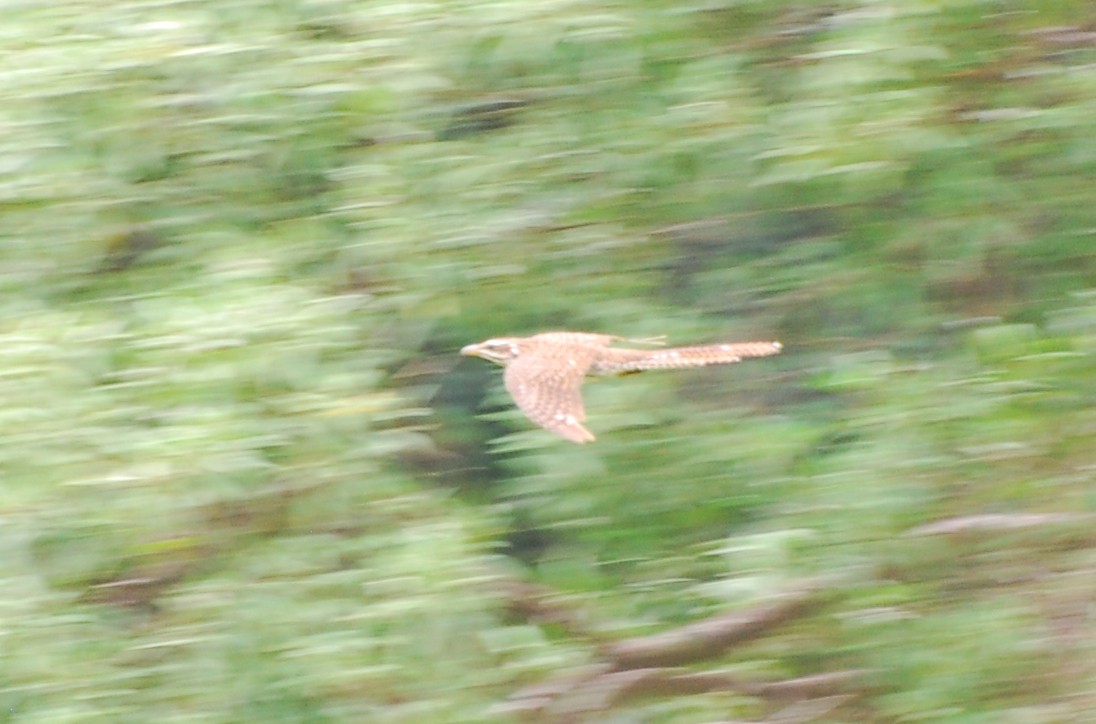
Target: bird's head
502 350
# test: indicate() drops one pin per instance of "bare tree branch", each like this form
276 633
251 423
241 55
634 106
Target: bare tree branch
993 522
579 697
707 638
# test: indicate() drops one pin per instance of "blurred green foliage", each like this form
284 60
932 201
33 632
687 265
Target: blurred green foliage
246 478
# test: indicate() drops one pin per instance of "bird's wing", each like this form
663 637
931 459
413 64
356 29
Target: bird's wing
550 394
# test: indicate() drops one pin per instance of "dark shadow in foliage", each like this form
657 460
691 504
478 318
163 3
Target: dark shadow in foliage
126 249
482 117
139 582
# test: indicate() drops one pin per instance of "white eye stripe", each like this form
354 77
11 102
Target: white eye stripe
502 347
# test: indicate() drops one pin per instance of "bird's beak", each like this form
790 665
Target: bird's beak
470 350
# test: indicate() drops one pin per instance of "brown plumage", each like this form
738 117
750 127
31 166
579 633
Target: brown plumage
544 373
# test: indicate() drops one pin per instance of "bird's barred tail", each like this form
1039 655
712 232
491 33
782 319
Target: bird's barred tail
681 357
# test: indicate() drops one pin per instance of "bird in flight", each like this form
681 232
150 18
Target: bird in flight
544 373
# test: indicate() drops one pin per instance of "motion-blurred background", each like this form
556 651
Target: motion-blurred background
245 476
